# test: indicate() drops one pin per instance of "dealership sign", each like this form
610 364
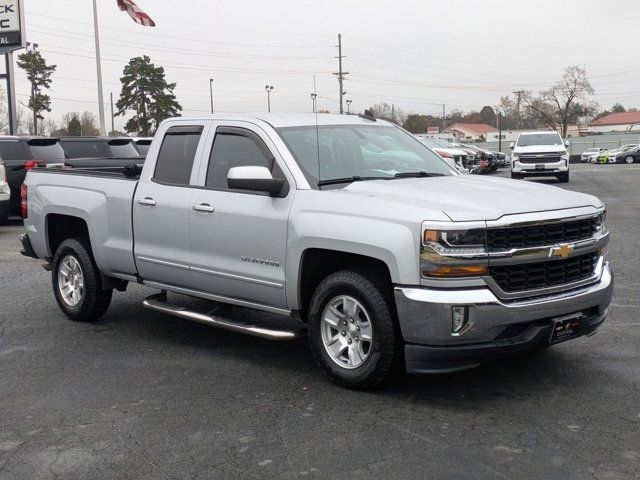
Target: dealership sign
12 34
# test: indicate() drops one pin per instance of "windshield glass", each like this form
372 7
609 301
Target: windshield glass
123 150
551 138
345 151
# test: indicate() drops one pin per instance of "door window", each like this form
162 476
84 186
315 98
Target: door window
235 147
177 154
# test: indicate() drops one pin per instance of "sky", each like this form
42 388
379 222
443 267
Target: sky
416 54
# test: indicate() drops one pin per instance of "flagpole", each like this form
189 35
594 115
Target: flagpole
99 68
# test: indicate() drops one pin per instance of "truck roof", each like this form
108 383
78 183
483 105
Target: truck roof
282 120
539 132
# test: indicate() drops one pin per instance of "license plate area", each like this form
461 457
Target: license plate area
539 166
566 328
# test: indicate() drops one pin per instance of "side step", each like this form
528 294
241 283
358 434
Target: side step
159 304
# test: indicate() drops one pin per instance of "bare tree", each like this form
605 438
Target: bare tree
557 107
388 112
89 124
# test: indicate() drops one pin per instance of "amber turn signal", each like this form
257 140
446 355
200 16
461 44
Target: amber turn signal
459 271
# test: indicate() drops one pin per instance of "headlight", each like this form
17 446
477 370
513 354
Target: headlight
454 250
601 226
515 158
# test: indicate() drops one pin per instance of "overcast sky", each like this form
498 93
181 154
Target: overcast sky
416 54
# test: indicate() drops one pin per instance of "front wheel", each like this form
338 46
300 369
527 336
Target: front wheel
353 332
77 284
516 176
629 160
563 177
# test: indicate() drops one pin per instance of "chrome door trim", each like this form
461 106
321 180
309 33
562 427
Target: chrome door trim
238 277
220 298
162 262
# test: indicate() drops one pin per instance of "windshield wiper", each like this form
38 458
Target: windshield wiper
355 178
417 174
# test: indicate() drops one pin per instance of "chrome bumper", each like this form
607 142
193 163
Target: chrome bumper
425 314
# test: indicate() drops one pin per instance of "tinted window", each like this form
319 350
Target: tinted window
527 140
123 150
46 151
233 150
85 149
143 148
177 153
12 151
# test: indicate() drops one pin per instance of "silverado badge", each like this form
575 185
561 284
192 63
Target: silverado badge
562 251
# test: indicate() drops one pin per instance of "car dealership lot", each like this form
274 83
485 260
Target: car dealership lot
141 395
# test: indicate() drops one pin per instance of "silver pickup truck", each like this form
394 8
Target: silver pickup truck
386 256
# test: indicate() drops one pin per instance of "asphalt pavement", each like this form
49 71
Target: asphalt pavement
140 395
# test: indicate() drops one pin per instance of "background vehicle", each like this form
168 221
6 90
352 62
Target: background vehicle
22 153
350 225
590 153
492 158
5 194
537 154
628 156
98 147
142 145
611 156
454 156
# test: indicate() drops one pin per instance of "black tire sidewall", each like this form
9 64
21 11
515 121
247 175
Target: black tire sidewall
94 299
383 358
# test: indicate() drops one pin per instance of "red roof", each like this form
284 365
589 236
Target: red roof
478 128
623 118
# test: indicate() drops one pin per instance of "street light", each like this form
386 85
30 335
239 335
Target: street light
211 91
314 96
349 106
268 89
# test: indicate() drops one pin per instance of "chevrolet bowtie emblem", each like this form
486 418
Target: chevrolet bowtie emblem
563 251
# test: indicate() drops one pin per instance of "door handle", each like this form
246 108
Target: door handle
147 201
203 207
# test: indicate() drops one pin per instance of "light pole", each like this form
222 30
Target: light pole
268 89
211 92
349 106
98 68
314 96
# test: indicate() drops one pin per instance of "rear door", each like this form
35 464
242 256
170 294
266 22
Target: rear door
162 204
239 238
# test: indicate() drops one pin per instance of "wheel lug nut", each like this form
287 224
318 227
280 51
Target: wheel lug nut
344 322
350 341
358 328
357 339
353 321
344 334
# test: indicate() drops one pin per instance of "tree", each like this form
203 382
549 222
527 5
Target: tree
89 125
39 75
74 127
388 112
416 123
487 115
557 107
146 92
618 108
117 133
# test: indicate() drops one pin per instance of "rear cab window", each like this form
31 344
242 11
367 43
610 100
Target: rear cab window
45 149
85 148
12 150
177 155
123 149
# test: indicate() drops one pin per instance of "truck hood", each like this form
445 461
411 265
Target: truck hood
469 198
541 149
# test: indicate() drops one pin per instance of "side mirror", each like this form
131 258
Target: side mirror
512 145
566 143
254 179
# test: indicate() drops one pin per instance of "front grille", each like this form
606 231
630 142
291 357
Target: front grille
540 158
552 273
501 239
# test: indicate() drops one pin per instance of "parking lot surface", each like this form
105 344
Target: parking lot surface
145 396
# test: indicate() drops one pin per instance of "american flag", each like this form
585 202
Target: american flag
136 13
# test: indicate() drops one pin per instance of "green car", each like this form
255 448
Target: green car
610 155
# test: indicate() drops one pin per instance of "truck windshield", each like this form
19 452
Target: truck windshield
359 152
540 139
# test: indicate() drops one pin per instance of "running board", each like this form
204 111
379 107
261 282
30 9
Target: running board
159 303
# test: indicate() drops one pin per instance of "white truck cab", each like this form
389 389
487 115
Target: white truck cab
540 154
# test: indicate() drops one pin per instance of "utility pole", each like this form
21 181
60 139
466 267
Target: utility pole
444 117
341 74
211 92
500 132
98 68
113 127
518 94
268 89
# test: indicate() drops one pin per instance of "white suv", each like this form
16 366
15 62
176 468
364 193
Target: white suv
540 154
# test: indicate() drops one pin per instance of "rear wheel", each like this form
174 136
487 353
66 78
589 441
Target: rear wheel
563 177
629 160
353 332
77 284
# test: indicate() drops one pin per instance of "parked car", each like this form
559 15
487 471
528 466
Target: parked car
22 153
628 156
455 157
142 145
610 156
383 252
490 157
99 147
540 154
588 155
5 194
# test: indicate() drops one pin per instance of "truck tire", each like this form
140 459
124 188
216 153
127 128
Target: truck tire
516 176
352 330
563 177
77 284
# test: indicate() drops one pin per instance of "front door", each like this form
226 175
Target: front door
161 209
238 238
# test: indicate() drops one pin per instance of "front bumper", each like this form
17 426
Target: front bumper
546 169
495 327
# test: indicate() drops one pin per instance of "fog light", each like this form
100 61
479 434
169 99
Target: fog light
458 319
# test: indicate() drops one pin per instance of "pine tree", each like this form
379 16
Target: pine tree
146 92
39 75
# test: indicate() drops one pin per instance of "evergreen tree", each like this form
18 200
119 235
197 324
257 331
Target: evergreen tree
146 92
39 75
74 127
